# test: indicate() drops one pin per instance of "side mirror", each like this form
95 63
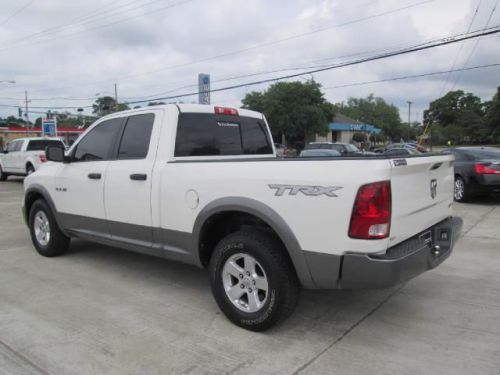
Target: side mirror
55 153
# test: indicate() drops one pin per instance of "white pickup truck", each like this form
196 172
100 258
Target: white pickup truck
202 185
23 156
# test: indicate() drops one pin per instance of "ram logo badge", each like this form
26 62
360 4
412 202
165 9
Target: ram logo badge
311 191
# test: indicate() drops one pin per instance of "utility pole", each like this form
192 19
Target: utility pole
116 99
409 118
26 101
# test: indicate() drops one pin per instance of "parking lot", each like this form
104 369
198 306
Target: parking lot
100 310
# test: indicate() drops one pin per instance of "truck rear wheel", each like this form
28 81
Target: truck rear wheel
46 236
253 280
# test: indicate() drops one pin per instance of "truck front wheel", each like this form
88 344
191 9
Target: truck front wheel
46 236
253 280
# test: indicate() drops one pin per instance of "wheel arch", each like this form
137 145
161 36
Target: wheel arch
32 194
260 213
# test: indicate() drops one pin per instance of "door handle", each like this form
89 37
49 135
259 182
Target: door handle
94 176
139 176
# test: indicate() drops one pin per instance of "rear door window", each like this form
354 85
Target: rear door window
205 134
136 137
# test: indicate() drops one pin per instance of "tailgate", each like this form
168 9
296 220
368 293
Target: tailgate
422 194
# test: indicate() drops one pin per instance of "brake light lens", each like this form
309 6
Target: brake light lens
371 214
43 158
484 169
226 111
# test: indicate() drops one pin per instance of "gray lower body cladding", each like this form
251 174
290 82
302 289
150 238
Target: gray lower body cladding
400 263
349 271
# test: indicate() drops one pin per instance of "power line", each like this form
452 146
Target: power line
81 21
461 47
363 83
15 13
475 44
99 26
257 46
438 43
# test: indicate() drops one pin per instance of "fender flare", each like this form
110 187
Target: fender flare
39 189
267 215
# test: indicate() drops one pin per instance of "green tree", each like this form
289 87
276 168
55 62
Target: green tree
375 111
296 110
151 104
492 117
457 116
359 137
105 105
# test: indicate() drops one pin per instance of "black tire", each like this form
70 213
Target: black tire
283 287
29 169
3 175
461 190
57 242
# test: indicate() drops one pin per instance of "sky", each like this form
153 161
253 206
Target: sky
66 53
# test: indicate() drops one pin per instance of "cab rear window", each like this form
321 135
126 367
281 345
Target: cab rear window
205 134
42 144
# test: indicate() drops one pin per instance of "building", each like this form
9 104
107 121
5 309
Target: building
9 133
342 129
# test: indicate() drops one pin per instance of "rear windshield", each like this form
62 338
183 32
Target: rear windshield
205 134
489 153
41 144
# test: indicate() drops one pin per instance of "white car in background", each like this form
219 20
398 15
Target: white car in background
23 156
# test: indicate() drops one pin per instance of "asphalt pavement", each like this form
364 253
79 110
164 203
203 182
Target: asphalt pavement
101 310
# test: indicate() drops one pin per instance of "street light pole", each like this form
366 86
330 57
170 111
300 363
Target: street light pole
409 118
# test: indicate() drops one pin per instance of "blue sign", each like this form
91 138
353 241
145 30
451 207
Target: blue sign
49 127
203 88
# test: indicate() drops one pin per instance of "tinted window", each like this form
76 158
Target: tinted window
41 144
98 143
254 137
136 136
203 134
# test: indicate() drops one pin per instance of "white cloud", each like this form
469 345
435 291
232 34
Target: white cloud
79 60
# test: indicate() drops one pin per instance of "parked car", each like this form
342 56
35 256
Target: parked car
24 156
477 171
314 153
345 149
202 185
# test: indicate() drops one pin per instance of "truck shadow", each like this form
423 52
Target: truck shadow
325 314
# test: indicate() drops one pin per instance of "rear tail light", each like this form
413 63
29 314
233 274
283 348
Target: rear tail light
226 111
371 214
484 169
43 158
